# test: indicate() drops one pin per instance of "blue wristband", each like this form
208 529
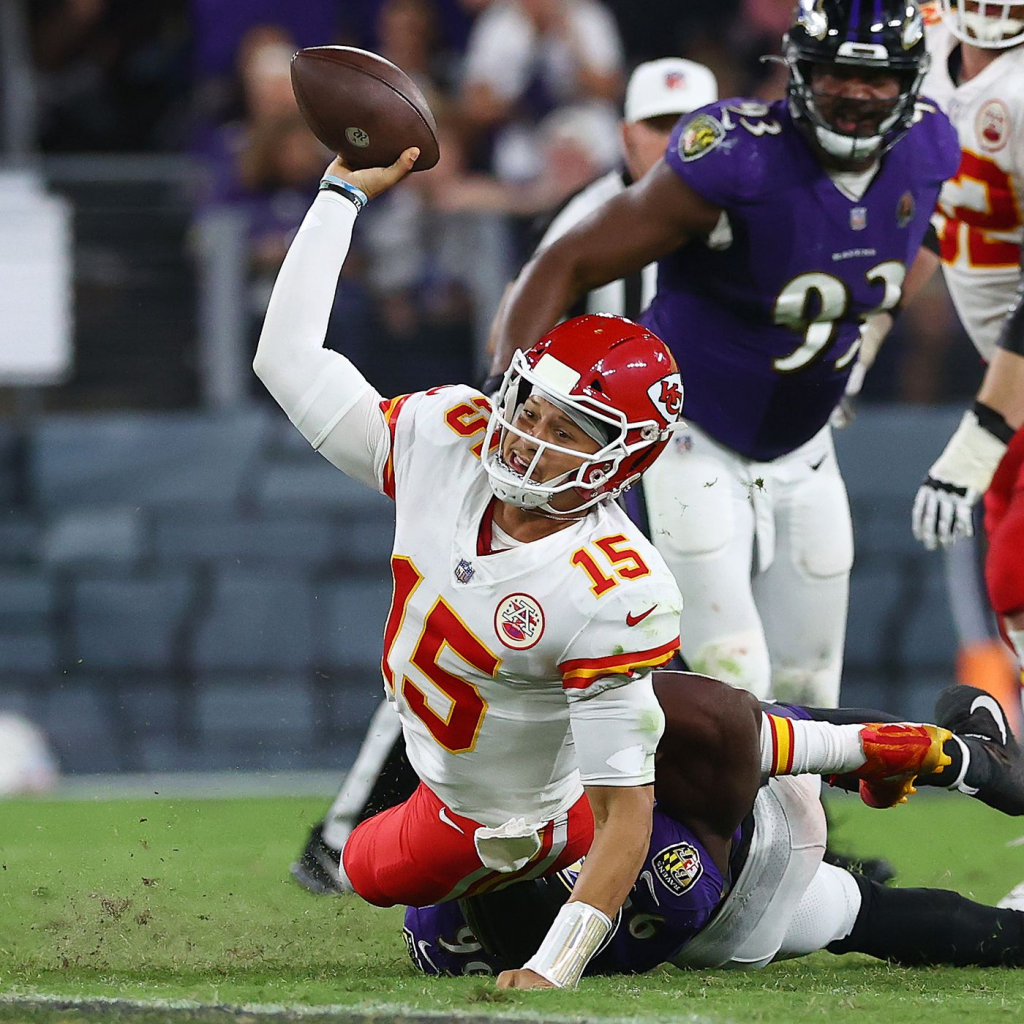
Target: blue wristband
353 193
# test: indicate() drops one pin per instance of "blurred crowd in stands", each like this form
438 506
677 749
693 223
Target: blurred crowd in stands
527 98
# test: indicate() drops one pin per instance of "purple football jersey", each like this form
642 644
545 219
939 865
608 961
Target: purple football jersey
440 942
675 895
677 891
764 318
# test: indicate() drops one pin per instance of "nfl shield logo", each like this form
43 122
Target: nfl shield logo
464 571
859 218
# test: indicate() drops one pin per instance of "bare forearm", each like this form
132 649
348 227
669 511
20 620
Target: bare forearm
645 222
537 299
921 272
622 834
1003 387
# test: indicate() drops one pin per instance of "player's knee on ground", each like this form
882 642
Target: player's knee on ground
826 913
741 660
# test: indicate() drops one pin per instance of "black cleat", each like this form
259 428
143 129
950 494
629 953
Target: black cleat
319 868
995 768
874 869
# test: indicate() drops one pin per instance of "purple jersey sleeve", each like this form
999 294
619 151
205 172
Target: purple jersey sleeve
722 151
941 159
678 890
675 895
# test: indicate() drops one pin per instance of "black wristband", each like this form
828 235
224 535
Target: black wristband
994 422
351 195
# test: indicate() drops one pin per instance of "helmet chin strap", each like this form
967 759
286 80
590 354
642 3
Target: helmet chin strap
847 147
530 501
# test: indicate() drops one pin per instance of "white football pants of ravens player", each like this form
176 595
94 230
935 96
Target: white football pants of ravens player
762 553
785 902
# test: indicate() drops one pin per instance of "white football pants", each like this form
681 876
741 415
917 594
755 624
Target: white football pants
762 553
785 902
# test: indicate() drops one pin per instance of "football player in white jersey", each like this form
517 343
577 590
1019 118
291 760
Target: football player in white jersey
528 612
977 75
658 91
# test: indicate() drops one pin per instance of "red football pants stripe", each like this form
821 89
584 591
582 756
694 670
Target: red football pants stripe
410 855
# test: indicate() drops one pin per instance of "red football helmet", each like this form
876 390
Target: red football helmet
615 378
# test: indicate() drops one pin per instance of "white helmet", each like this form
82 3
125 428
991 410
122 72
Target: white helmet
987 25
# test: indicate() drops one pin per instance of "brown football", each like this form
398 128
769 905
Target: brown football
363 107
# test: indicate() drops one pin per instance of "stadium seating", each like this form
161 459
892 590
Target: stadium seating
205 592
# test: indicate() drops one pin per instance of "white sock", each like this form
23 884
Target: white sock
796 747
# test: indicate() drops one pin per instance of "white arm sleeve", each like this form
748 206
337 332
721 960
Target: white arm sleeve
616 733
324 395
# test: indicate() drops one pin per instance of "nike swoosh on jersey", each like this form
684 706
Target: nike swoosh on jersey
632 620
443 815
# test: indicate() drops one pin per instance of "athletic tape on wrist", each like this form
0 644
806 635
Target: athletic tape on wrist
353 193
994 422
971 456
574 937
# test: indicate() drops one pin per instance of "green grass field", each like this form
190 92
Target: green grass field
158 899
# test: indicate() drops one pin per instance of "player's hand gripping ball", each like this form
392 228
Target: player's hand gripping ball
363 107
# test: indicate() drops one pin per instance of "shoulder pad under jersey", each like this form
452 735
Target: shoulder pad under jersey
936 147
725 151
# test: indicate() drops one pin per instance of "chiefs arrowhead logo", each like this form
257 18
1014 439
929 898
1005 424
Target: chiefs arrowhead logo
667 396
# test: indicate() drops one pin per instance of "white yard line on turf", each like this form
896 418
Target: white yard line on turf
351 1013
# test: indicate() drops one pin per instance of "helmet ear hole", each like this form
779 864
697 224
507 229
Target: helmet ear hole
598 474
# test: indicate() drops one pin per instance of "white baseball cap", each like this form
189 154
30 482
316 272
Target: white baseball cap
671 85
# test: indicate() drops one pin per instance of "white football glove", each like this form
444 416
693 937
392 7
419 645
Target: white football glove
961 474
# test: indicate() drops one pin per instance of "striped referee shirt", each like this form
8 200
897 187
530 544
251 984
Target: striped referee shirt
629 296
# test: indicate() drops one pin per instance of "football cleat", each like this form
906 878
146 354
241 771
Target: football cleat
994 773
896 753
319 868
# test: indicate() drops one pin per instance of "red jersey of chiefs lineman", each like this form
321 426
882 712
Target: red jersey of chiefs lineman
528 611
977 75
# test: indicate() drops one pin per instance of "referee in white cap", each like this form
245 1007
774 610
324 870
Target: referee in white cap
657 94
